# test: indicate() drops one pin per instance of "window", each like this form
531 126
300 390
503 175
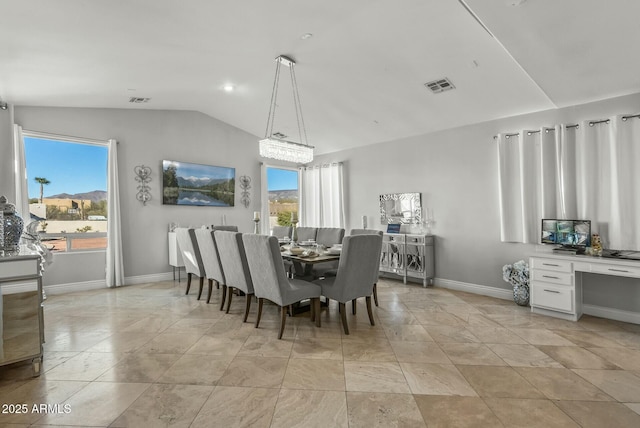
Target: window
67 186
282 185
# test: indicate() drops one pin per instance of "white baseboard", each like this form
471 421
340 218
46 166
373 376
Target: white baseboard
93 285
611 313
75 286
143 279
498 293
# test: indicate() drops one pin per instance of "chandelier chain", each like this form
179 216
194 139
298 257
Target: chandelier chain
272 106
296 95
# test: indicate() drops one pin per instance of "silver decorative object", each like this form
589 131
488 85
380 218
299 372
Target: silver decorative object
517 275
12 226
245 185
143 176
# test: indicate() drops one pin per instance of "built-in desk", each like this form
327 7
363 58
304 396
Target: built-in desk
556 281
21 318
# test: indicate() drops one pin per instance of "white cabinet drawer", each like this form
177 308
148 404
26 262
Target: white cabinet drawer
631 271
393 237
552 277
551 264
551 297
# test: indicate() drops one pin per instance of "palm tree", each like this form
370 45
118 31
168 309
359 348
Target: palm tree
42 182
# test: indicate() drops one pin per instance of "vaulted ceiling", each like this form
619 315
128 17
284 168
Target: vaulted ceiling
361 74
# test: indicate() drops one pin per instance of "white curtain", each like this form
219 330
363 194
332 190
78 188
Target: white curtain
322 196
114 264
609 155
265 227
589 172
20 177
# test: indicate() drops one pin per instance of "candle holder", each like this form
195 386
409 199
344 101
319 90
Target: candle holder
256 227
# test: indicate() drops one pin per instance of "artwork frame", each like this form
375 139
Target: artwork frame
193 184
401 208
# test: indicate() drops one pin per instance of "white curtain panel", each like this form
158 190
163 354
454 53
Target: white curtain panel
21 185
114 263
265 227
322 196
510 188
609 177
562 172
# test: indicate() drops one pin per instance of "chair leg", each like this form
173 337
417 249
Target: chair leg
312 309
201 286
368 298
247 306
224 296
260 302
210 290
230 293
283 320
217 285
317 311
375 293
353 306
343 315
188 283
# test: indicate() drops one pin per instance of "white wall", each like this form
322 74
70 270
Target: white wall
147 137
456 172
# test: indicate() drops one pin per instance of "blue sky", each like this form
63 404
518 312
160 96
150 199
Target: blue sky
282 179
70 167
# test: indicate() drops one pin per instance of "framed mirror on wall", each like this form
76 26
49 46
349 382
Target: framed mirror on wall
401 208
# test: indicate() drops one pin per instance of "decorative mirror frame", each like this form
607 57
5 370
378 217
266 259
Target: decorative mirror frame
403 208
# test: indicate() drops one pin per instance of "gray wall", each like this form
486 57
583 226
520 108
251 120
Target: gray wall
147 137
456 172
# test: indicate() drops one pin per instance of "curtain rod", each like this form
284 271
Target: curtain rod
591 123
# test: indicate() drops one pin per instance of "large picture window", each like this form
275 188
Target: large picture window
67 188
282 186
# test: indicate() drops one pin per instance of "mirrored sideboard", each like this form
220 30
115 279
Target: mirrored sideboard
408 256
21 315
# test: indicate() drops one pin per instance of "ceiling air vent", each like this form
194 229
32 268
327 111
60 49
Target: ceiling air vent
139 100
440 85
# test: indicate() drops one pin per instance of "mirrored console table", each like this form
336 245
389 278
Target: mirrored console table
408 256
21 317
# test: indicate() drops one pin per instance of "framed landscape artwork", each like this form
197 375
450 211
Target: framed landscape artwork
197 185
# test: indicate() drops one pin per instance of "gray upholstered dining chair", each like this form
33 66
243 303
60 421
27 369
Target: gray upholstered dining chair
306 233
225 227
375 285
329 236
211 262
356 274
281 232
235 267
271 282
191 256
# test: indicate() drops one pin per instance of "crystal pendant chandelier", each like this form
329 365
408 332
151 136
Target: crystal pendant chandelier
274 145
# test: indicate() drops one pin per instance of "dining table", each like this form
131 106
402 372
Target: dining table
302 269
303 262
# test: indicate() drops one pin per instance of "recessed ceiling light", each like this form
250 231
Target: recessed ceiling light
306 36
228 87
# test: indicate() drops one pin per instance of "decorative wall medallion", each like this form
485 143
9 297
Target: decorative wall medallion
245 195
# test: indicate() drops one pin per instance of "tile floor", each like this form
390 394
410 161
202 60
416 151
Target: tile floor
147 355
